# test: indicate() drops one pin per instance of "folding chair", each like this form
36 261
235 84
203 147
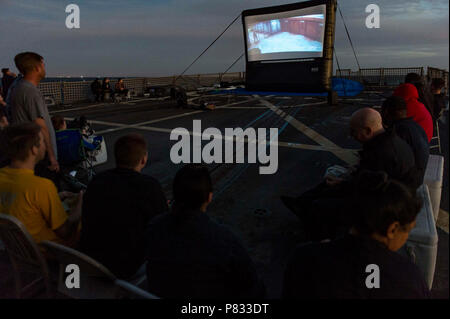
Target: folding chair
437 137
25 257
95 280
73 158
125 290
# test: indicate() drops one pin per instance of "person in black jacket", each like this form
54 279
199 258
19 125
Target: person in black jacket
323 208
439 102
363 264
383 150
106 88
191 256
394 112
96 89
117 206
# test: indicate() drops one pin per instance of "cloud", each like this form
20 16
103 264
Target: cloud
161 37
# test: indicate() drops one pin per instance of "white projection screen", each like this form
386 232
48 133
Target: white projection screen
295 34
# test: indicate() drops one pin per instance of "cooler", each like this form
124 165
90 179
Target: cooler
421 246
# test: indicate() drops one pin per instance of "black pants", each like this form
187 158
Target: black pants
97 96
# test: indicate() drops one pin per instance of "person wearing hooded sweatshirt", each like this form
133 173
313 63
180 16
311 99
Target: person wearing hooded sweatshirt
416 110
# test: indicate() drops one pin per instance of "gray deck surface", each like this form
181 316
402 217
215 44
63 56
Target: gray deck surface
239 188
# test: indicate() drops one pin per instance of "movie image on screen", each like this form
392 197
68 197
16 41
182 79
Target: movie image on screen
286 35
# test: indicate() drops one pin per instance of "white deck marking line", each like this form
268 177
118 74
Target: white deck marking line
348 157
127 126
282 144
78 108
112 104
281 107
317 147
120 126
226 105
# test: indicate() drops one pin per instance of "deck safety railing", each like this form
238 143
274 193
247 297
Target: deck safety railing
64 92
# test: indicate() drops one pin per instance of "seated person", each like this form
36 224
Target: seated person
395 114
117 207
438 97
120 88
382 150
384 213
59 123
191 256
416 109
31 199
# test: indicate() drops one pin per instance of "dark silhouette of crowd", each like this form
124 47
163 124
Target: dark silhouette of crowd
124 220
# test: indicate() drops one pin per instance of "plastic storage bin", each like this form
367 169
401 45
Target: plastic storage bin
421 246
434 174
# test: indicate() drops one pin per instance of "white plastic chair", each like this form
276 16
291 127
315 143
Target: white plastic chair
95 280
125 290
25 257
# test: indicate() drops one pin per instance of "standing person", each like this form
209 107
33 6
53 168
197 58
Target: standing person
8 97
7 80
117 207
437 85
96 88
191 256
28 105
106 88
384 212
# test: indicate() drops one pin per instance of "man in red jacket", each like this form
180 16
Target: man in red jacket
416 110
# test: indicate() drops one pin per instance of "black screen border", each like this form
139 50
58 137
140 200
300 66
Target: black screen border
278 9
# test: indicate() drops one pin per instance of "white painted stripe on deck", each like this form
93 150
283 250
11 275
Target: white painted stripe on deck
112 104
78 108
168 130
282 144
348 157
120 126
127 126
281 107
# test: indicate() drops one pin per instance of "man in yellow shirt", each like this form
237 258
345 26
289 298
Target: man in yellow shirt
31 199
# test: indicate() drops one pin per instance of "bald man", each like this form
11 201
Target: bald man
365 124
323 208
383 150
